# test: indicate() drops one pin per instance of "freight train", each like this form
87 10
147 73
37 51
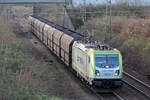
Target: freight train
97 63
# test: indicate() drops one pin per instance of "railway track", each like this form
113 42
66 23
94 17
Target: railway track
101 93
136 84
128 79
109 96
106 94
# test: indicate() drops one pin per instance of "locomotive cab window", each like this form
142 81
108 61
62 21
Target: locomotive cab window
103 61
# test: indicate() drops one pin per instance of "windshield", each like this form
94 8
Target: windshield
102 61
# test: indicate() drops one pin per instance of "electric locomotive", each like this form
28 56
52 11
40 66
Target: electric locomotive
97 63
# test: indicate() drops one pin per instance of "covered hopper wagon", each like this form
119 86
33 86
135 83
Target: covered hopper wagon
57 38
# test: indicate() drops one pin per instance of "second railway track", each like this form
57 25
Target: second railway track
137 84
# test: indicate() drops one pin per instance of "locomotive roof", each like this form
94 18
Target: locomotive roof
91 46
71 33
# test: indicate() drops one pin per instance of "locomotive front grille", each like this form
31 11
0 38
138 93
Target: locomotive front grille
107 73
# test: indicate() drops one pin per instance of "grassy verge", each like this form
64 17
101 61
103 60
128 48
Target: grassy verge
20 77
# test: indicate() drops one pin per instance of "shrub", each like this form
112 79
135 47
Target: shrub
131 51
137 27
13 83
146 58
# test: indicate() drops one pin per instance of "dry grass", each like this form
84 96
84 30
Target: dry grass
19 72
6 30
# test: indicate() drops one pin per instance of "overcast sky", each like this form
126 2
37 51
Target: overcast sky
78 2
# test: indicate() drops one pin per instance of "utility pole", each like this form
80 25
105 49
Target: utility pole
108 20
106 25
84 11
110 4
35 9
64 17
84 14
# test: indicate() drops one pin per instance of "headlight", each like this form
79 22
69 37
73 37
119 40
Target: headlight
97 73
117 73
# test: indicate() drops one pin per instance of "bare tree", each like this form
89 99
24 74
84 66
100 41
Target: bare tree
122 2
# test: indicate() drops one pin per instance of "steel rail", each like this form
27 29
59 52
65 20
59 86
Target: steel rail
99 94
136 88
118 96
136 79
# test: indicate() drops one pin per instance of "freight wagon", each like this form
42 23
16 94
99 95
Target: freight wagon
96 63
